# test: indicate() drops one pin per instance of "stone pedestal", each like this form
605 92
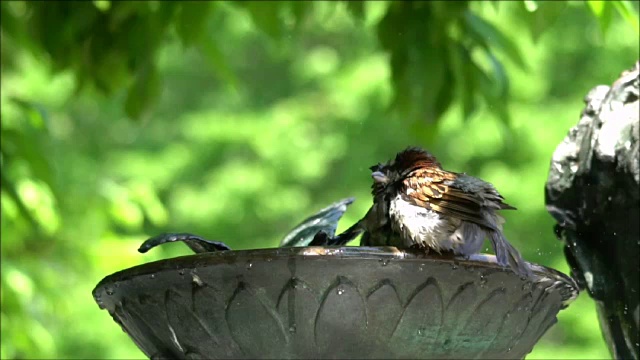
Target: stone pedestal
593 191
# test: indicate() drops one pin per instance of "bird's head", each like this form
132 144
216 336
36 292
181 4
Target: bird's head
385 175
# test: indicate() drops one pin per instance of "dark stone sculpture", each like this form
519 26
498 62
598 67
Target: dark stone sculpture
593 191
321 302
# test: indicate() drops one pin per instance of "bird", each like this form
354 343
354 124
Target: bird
418 204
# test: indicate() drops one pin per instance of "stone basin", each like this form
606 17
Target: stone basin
323 302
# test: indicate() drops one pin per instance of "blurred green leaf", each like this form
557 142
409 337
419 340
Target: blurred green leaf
625 8
9 186
487 35
192 20
102 5
143 93
501 80
544 16
31 149
218 62
266 16
356 8
493 90
603 12
437 93
300 9
464 79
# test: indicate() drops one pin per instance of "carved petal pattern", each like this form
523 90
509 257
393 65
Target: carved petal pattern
341 315
254 324
421 320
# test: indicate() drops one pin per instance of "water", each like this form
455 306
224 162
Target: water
196 280
340 291
483 281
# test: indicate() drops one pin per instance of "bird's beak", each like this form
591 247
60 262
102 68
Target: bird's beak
379 177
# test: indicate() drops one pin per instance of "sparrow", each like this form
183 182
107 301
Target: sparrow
418 204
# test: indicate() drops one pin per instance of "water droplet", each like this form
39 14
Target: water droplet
421 268
609 198
420 331
196 280
249 265
340 291
109 291
292 329
384 262
483 281
152 276
454 265
509 349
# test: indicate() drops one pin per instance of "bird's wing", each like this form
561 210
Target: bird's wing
325 220
434 189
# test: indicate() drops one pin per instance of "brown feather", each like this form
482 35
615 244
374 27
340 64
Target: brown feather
428 188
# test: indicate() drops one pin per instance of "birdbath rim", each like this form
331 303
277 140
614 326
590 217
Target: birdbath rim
385 253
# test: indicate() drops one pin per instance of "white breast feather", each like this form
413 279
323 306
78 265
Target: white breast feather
424 227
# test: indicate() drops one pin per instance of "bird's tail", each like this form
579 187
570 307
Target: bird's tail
506 254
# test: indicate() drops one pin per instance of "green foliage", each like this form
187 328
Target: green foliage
258 114
94 40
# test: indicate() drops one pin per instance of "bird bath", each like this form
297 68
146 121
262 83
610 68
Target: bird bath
341 302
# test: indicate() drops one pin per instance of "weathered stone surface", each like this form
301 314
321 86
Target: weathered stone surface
593 191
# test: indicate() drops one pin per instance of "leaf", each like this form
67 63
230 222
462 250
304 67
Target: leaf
487 34
544 17
37 114
388 32
603 11
393 41
111 71
596 6
491 94
625 8
218 61
265 15
192 21
144 92
444 97
357 10
8 186
501 80
465 82
30 147
102 5
300 10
